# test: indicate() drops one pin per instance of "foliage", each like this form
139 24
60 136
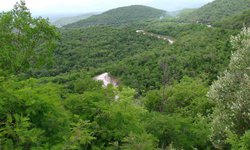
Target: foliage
195 53
188 97
51 109
17 132
41 106
154 107
144 141
231 93
235 22
135 58
29 41
80 136
98 47
182 132
240 143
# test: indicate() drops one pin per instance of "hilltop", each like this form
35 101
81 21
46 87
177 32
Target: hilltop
121 15
217 10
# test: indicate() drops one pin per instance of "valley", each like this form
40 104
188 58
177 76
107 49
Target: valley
130 78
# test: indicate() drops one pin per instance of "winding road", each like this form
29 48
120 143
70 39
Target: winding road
165 38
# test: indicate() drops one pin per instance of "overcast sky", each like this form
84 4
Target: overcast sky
41 7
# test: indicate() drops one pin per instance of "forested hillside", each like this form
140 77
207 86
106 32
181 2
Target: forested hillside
218 10
190 94
121 16
236 21
94 47
135 58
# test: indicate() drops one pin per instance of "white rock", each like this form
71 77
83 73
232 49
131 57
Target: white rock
106 79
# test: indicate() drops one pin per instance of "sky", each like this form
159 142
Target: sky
43 7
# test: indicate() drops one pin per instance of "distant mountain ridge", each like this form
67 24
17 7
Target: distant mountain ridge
121 15
68 20
182 12
217 10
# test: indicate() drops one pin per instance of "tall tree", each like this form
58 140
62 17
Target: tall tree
231 93
25 42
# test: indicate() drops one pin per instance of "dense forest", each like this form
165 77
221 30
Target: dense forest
190 94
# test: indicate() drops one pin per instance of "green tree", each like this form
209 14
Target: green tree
231 94
17 133
80 136
143 141
182 132
25 42
39 107
239 143
187 97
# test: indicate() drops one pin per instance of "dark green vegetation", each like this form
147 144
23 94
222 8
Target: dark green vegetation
93 47
217 10
135 58
28 46
121 16
235 22
168 96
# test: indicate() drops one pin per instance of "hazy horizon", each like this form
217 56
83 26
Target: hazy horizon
73 7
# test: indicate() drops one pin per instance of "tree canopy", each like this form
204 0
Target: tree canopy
25 42
169 96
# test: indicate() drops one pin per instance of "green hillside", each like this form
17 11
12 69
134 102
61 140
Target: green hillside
135 58
120 16
68 20
184 94
218 10
235 22
96 47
